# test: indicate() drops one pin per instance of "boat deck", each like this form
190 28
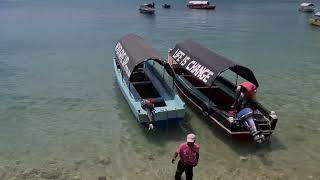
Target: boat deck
173 109
161 86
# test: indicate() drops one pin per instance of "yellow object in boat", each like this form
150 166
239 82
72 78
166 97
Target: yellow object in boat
315 21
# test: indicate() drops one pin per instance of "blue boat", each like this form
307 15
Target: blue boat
152 101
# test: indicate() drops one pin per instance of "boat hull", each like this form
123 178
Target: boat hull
223 125
205 7
171 114
308 10
146 10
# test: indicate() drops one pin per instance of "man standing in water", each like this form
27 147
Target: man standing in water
189 157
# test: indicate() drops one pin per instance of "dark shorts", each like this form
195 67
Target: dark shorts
188 169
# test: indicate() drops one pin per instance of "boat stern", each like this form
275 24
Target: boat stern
164 116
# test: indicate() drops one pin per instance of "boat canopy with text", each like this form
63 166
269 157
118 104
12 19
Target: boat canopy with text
209 83
137 66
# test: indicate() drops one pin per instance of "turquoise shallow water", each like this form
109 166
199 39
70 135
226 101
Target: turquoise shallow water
62 115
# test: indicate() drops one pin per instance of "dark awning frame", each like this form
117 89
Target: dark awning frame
206 65
131 50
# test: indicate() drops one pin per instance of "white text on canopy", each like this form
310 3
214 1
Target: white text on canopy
194 67
123 58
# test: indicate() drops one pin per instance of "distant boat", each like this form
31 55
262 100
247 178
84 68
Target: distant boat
315 20
166 6
200 5
200 80
152 101
307 7
147 9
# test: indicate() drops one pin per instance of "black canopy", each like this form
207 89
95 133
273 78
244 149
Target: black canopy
132 50
206 65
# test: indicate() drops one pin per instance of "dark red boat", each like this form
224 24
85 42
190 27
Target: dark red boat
200 5
203 79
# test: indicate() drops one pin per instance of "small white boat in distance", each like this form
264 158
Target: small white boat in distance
147 8
200 5
307 7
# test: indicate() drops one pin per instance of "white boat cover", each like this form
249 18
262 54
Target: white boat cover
306 4
317 14
198 2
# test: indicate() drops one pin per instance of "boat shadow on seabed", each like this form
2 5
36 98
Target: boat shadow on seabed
173 132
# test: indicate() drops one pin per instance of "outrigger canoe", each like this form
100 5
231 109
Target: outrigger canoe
152 101
200 78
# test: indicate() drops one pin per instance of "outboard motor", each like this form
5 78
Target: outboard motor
246 116
148 105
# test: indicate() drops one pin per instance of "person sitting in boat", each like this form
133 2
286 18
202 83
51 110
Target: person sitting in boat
151 5
245 93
